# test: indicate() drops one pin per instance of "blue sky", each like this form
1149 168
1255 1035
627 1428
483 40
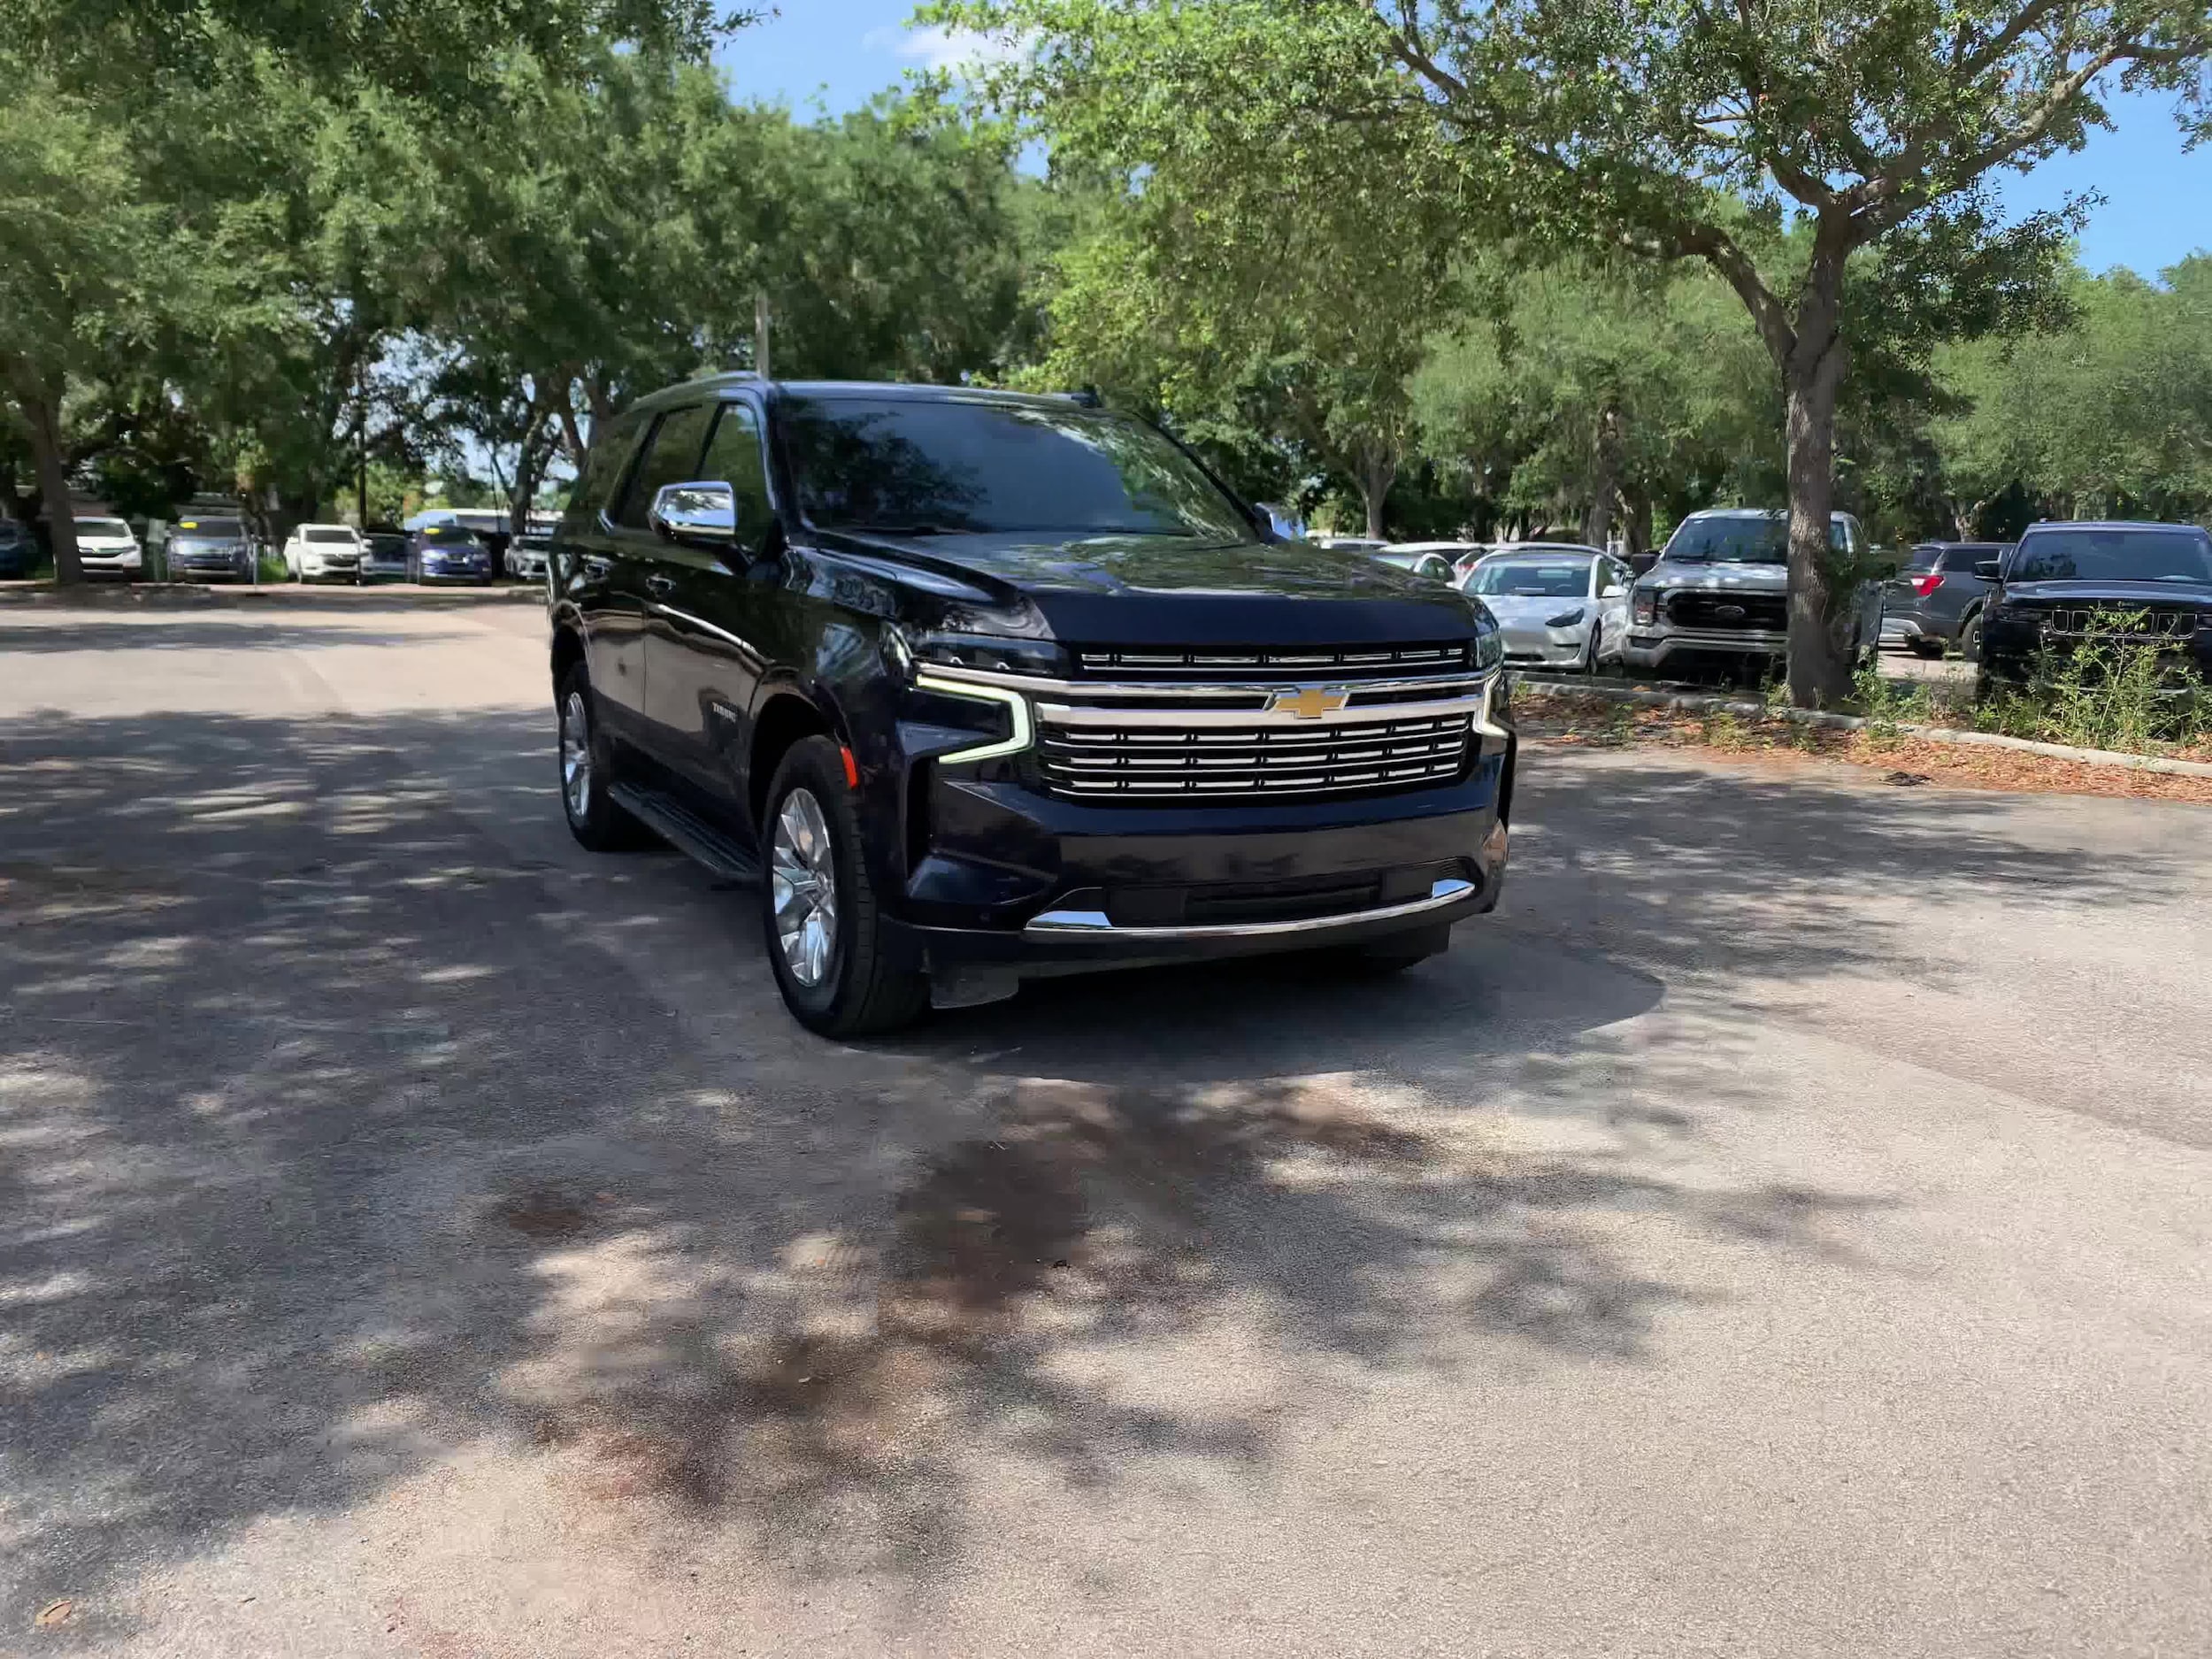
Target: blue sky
2158 200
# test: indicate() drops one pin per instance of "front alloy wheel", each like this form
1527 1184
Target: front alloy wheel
802 878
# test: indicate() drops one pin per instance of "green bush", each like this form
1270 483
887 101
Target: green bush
2107 691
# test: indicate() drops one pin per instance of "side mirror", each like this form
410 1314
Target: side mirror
1988 570
1641 562
701 511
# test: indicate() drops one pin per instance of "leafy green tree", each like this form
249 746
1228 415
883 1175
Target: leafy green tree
1676 130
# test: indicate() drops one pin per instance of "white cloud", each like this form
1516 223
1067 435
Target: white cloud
936 47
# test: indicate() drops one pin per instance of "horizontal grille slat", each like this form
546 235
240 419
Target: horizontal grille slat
1359 758
1267 666
1694 608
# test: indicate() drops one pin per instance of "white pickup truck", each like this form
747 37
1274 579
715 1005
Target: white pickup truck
1718 597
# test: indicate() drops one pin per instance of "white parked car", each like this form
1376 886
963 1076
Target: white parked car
525 558
322 552
1559 604
105 546
1460 555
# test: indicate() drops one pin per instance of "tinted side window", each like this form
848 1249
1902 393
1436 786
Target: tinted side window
734 457
1923 558
1960 561
672 456
603 462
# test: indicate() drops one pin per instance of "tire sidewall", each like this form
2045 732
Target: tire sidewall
811 765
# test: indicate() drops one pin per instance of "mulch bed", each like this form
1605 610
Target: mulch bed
1549 720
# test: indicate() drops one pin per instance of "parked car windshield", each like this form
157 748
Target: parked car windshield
926 466
1531 578
2161 554
103 527
330 535
1764 541
451 534
210 529
387 544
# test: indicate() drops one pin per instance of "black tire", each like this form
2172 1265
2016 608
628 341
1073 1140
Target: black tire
594 819
1926 647
859 990
1971 637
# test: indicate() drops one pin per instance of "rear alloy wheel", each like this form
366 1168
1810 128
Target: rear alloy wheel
586 763
820 920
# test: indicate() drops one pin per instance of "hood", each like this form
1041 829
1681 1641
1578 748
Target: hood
1713 578
1191 592
107 544
208 543
1516 606
2115 594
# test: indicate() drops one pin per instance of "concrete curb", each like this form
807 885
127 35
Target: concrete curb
191 596
1692 704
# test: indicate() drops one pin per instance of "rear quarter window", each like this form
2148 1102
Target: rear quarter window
604 463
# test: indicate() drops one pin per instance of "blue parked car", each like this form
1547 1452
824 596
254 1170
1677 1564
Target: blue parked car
448 553
19 551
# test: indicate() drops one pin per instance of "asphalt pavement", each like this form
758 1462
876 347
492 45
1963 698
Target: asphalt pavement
1781 1229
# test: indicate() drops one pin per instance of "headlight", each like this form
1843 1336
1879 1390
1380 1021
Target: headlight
1564 620
1647 605
992 653
1489 647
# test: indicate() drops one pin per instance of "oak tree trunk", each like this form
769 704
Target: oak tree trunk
1376 473
1820 618
41 412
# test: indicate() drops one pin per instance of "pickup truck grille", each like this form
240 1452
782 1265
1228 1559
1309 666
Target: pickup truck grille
2142 624
1231 666
1721 610
1216 764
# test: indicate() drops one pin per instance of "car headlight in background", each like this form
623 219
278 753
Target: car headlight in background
1489 646
1564 620
1646 604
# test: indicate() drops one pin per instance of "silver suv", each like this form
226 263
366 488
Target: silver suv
1719 595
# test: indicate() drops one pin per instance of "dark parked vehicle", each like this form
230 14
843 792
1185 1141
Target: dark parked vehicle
998 685
448 553
386 555
207 549
19 551
2150 582
1934 604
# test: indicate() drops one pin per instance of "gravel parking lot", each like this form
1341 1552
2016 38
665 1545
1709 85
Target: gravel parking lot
1782 1230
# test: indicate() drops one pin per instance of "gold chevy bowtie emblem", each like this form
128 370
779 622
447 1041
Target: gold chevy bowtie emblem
1309 704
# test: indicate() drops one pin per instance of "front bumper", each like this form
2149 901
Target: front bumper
1016 883
1546 647
1651 647
455 572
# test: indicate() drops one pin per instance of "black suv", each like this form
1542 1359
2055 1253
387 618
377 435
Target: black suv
1000 686
2141 583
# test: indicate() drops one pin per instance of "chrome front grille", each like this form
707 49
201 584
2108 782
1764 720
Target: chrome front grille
1150 662
2139 624
1152 762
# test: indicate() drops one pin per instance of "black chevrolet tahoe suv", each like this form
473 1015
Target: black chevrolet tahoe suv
997 686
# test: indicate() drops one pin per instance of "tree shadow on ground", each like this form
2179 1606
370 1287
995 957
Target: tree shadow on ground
331 1149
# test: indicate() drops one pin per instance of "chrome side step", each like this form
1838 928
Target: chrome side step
686 832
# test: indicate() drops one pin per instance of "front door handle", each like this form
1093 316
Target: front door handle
660 587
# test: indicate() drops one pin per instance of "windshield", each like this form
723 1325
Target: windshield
956 465
451 535
330 535
387 544
210 529
2162 555
102 526
1531 578
1741 541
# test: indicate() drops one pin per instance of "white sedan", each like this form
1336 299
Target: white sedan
1558 605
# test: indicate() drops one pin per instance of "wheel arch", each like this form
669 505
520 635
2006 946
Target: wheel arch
785 716
568 650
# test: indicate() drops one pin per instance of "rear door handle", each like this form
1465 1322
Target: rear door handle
660 587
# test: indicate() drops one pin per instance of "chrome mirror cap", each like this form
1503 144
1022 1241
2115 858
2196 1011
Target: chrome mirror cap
705 511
